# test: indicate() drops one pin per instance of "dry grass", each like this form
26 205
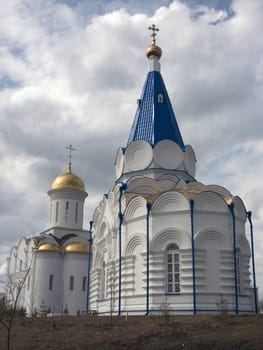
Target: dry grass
137 333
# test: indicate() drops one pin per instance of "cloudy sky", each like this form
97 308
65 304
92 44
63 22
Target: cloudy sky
71 71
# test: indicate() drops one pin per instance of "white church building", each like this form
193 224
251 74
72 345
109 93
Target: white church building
54 264
159 237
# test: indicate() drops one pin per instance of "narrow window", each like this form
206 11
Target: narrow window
66 211
160 98
28 283
71 283
172 269
20 265
50 284
76 212
57 211
84 283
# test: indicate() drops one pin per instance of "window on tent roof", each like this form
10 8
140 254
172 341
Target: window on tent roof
160 98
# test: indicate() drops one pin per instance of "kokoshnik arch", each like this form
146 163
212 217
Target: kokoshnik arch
159 236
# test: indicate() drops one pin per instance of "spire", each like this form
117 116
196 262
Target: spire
154 119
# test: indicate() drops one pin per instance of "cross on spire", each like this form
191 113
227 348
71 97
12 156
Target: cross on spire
154 32
70 148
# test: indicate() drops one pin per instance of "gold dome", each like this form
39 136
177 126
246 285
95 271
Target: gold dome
48 247
154 50
68 180
77 247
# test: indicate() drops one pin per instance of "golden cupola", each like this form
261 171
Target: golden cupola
68 180
154 50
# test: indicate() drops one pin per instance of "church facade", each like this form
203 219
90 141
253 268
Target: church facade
159 239
50 270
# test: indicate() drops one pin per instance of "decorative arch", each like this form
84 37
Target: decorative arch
170 177
102 228
211 201
98 260
219 189
209 234
97 215
166 185
239 208
197 186
169 202
134 241
143 185
168 236
135 208
23 241
243 244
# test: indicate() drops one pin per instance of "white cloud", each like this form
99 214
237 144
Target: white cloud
71 76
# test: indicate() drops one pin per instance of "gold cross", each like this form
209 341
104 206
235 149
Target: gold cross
70 148
154 32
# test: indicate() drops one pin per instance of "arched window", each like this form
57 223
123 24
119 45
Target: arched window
50 284
172 269
71 282
239 270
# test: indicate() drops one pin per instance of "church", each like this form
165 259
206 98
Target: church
158 239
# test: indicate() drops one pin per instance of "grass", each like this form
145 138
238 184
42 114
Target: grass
199 332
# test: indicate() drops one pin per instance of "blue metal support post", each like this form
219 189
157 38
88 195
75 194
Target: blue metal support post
148 206
193 254
89 266
122 188
232 211
249 215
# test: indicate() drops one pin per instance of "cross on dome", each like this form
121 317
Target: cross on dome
154 32
70 148
154 50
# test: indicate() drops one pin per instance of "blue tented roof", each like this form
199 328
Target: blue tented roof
154 119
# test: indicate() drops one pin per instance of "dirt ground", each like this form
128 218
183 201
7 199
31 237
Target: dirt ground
137 333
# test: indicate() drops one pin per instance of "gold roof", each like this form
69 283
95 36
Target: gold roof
68 180
48 247
154 50
77 247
